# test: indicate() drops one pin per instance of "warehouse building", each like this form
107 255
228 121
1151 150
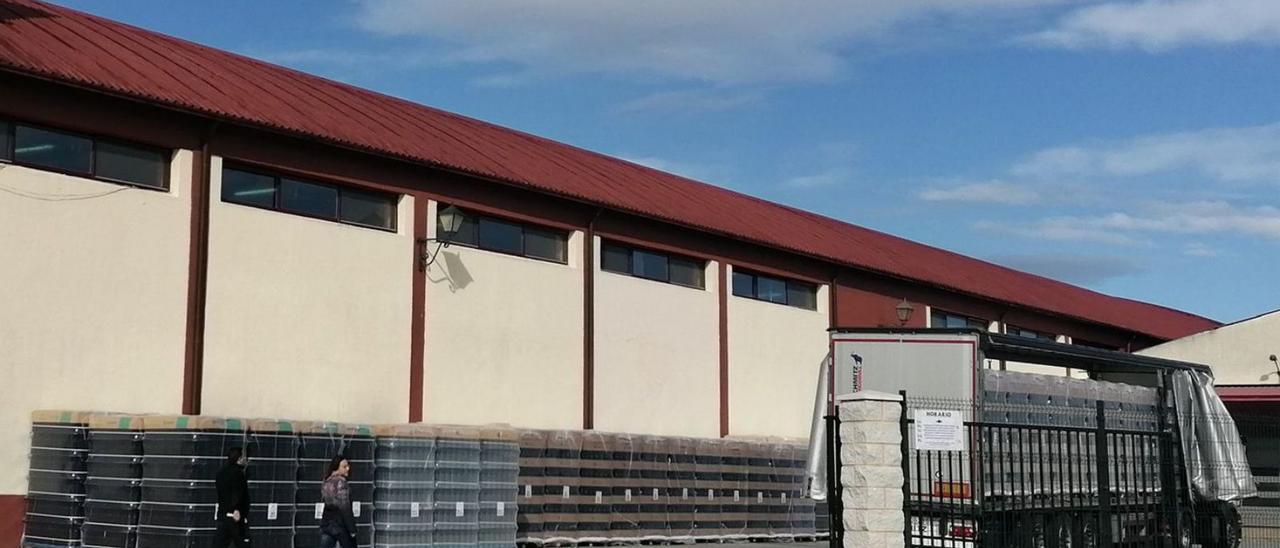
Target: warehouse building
184 230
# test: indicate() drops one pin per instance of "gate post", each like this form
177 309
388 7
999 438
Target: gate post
871 470
1105 537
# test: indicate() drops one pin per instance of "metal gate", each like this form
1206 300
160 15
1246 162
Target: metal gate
1086 477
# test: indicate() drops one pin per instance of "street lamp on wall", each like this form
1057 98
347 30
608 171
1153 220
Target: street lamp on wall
450 221
1277 364
904 310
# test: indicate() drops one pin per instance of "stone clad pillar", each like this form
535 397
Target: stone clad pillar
871 470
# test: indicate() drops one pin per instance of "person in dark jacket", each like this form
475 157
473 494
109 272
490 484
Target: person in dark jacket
337 523
233 501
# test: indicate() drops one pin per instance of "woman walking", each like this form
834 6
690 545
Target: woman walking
338 523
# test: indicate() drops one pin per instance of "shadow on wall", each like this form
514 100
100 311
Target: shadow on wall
453 272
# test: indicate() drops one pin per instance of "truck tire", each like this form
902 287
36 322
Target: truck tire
1220 525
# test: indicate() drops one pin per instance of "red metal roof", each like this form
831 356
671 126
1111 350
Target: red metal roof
1240 393
74 47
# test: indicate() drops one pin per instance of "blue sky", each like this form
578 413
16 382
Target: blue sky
1132 147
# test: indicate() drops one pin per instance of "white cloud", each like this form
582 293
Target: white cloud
832 177
720 42
1159 25
1124 228
1199 249
987 192
692 101
1240 154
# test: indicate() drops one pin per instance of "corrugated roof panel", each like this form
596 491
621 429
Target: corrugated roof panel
63 44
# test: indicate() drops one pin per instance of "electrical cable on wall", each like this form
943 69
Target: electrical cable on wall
58 197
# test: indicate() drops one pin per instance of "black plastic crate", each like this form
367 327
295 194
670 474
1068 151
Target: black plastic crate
53 528
182 468
60 483
54 505
179 492
271 537
113 489
264 492
178 515
175 538
191 443
111 513
261 469
260 515
60 460
60 436
281 445
313 471
115 442
100 535
114 466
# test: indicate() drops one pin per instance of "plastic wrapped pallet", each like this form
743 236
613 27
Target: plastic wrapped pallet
623 494
113 485
533 483
272 451
404 485
682 500
760 491
736 506
596 482
499 484
652 462
708 520
563 472
802 509
457 492
181 459
780 483
56 479
319 443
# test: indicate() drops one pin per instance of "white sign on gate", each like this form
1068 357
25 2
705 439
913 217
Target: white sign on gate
939 430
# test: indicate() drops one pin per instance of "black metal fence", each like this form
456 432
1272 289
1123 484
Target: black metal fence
1260 516
1082 477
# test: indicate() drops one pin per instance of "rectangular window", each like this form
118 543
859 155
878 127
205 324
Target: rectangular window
653 265
6 141
775 290
309 198
1020 332
512 238
367 209
941 318
53 150
129 164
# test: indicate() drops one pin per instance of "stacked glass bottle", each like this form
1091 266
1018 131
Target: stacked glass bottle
113 487
457 493
272 448
404 485
499 484
319 443
56 489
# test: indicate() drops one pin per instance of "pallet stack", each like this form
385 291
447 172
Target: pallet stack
114 484
562 466
499 484
404 485
272 450
56 492
651 469
319 443
533 484
682 500
181 459
457 488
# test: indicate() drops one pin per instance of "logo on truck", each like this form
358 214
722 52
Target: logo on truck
857 372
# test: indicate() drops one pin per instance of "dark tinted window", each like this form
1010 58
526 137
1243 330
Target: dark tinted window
244 187
52 149
652 265
744 285
771 289
940 318
494 234
615 259
329 202
500 236
686 272
1014 330
775 290
545 244
649 265
6 141
129 164
368 209
308 198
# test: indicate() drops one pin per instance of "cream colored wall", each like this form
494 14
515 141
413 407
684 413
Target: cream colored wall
1238 353
306 318
657 355
93 281
503 338
774 355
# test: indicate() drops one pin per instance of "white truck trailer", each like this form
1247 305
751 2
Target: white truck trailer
1052 444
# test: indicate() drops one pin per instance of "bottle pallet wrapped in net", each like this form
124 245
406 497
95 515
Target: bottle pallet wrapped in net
319 443
56 479
181 459
532 483
404 485
114 485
